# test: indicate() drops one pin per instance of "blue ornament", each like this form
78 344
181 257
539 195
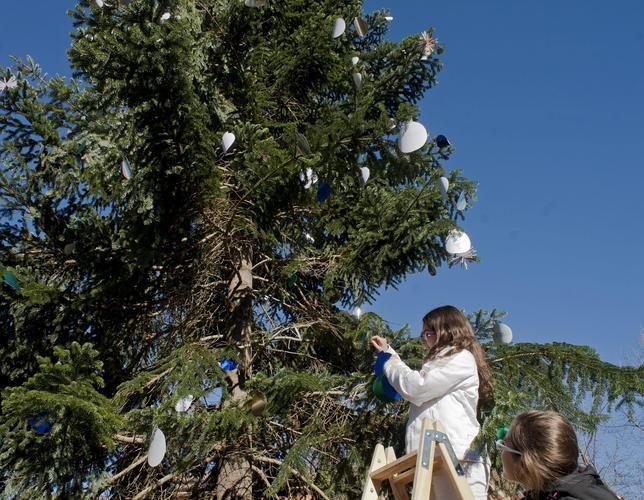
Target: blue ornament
441 141
381 359
40 424
383 390
228 364
324 191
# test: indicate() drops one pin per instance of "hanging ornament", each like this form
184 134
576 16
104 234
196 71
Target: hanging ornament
324 191
258 404
357 80
361 26
303 146
10 279
228 365
126 170
157 448
255 3
464 258
338 27
100 3
364 174
443 186
357 312
184 403
40 423
412 136
308 177
309 238
427 45
389 18
8 83
502 333
461 202
227 140
392 124
355 60
457 242
442 142
165 17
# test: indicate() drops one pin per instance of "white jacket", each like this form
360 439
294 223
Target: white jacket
445 389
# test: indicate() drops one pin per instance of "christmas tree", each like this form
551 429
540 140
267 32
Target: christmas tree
184 228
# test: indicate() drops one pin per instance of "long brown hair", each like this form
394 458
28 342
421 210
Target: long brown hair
452 329
548 446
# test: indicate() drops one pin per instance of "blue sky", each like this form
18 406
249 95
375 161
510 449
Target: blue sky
543 102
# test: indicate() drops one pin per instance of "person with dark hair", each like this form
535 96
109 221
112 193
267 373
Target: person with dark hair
540 451
454 379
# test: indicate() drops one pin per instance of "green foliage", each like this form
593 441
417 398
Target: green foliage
65 394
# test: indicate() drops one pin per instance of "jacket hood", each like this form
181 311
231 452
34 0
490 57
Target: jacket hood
583 484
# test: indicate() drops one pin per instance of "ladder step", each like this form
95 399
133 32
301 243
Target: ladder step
404 477
389 470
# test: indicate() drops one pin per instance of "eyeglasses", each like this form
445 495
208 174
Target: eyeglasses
501 447
427 333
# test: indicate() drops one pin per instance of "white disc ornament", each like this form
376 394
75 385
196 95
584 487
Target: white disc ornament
461 202
357 312
184 403
156 452
338 27
457 242
227 140
357 80
254 3
308 178
100 3
443 185
165 17
389 18
355 60
364 174
502 333
126 170
413 136
361 26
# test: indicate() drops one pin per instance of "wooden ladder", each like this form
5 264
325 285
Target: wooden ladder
417 467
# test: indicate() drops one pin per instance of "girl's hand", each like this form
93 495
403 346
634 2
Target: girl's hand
380 344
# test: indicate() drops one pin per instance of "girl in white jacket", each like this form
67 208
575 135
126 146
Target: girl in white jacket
454 378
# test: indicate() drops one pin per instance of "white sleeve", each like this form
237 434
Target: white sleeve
435 379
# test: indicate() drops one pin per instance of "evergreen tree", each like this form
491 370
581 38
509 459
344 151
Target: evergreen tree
151 256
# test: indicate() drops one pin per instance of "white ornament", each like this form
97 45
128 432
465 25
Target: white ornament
389 18
364 174
309 237
461 202
227 140
502 333
443 185
157 449
357 80
338 27
457 242
100 3
184 403
165 17
355 60
126 170
254 3
8 83
308 178
413 136
357 312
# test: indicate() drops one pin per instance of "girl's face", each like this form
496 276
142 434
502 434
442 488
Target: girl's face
429 337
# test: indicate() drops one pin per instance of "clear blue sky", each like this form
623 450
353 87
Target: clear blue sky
544 104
